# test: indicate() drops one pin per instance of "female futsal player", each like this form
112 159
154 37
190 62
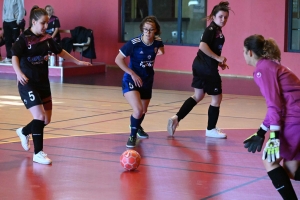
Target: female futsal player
206 77
139 74
30 62
281 89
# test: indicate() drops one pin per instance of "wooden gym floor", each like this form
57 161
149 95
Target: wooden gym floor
89 131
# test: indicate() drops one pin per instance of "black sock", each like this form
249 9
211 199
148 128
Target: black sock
37 135
282 183
213 116
141 120
134 124
186 108
297 174
27 129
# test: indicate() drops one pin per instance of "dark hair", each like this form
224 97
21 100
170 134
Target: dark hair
36 13
151 19
222 6
263 48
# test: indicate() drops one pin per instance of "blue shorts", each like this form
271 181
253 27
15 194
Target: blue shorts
32 94
145 92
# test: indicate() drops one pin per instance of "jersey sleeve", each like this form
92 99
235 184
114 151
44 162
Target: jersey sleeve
54 47
19 47
126 49
266 79
208 35
160 42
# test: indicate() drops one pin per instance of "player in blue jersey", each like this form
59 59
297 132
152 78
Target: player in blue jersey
30 62
139 74
206 77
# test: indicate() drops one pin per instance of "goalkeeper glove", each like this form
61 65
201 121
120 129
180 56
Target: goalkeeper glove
271 150
254 142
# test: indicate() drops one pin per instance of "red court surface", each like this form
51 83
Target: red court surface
187 166
88 134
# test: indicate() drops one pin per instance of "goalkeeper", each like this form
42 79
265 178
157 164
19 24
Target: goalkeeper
281 90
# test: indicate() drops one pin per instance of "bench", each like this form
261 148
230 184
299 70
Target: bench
79 47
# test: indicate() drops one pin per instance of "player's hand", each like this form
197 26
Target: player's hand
137 80
271 150
22 79
223 66
254 143
84 63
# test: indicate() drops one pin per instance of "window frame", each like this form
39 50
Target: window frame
150 9
289 27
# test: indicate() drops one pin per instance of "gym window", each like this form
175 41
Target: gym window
293 39
175 16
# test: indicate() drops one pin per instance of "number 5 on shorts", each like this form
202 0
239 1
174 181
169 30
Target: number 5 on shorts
31 96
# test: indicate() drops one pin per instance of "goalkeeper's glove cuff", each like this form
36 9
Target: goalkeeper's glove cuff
274 135
261 132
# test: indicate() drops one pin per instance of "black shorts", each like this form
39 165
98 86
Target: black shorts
212 84
145 92
32 94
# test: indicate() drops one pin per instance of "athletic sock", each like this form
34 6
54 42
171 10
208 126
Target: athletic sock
27 129
186 108
134 124
37 134
282 183
213 116
297 174
141 120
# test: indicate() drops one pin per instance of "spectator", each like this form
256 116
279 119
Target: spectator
12 15
53 24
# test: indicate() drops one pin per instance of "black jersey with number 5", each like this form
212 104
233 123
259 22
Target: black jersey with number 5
32 51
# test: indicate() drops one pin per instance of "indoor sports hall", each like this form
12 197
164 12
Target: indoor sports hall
90 121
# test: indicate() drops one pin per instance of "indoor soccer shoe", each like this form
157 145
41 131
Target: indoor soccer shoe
172 125
142 134
215 133
131 142
41 158
24 139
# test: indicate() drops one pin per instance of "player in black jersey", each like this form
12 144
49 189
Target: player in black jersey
30 62
206 77
139 74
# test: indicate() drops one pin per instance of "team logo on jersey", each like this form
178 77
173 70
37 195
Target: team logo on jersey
141 52
144 64
211 28
130 86
149 57
258 74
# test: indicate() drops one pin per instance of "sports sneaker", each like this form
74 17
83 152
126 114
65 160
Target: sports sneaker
215 133
172 125
41 158
24 139
131 142
142 134
6 60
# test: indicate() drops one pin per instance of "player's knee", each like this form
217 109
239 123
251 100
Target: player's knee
197 98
